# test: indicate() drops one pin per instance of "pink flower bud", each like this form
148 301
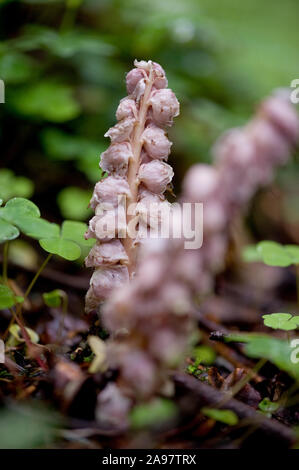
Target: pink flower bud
152 211
165 106
106 253
112 407
116 158
235 147
156 143
126 109
200 182
139 90
269 143
155 176
138 370
144 157
111 224
214 214
121 131
132 78
282 114
91 302
160 80
105 279
168 346
108 190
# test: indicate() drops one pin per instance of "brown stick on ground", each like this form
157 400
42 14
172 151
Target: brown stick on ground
204 395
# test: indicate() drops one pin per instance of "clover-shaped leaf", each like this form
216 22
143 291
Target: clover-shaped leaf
274 254
73 230
69 243
281 321
22 215
8 298
37 228
19 206
7 231
61 247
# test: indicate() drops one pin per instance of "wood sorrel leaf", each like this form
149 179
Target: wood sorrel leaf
73 230
7 231
61 247
19 206
37 228
274 254
281 321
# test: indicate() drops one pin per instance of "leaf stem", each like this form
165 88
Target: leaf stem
32 283
69 17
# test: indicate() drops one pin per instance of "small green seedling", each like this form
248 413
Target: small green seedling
223 416
7 297
15 336
281 321
153 414
54 298
268 407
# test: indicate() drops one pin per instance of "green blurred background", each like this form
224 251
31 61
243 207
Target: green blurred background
64 66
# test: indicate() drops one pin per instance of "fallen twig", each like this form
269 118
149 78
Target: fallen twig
204 395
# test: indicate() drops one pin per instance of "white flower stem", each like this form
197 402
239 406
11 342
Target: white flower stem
134 164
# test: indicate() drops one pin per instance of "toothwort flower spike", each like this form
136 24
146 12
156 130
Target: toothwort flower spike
156 309
136 177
